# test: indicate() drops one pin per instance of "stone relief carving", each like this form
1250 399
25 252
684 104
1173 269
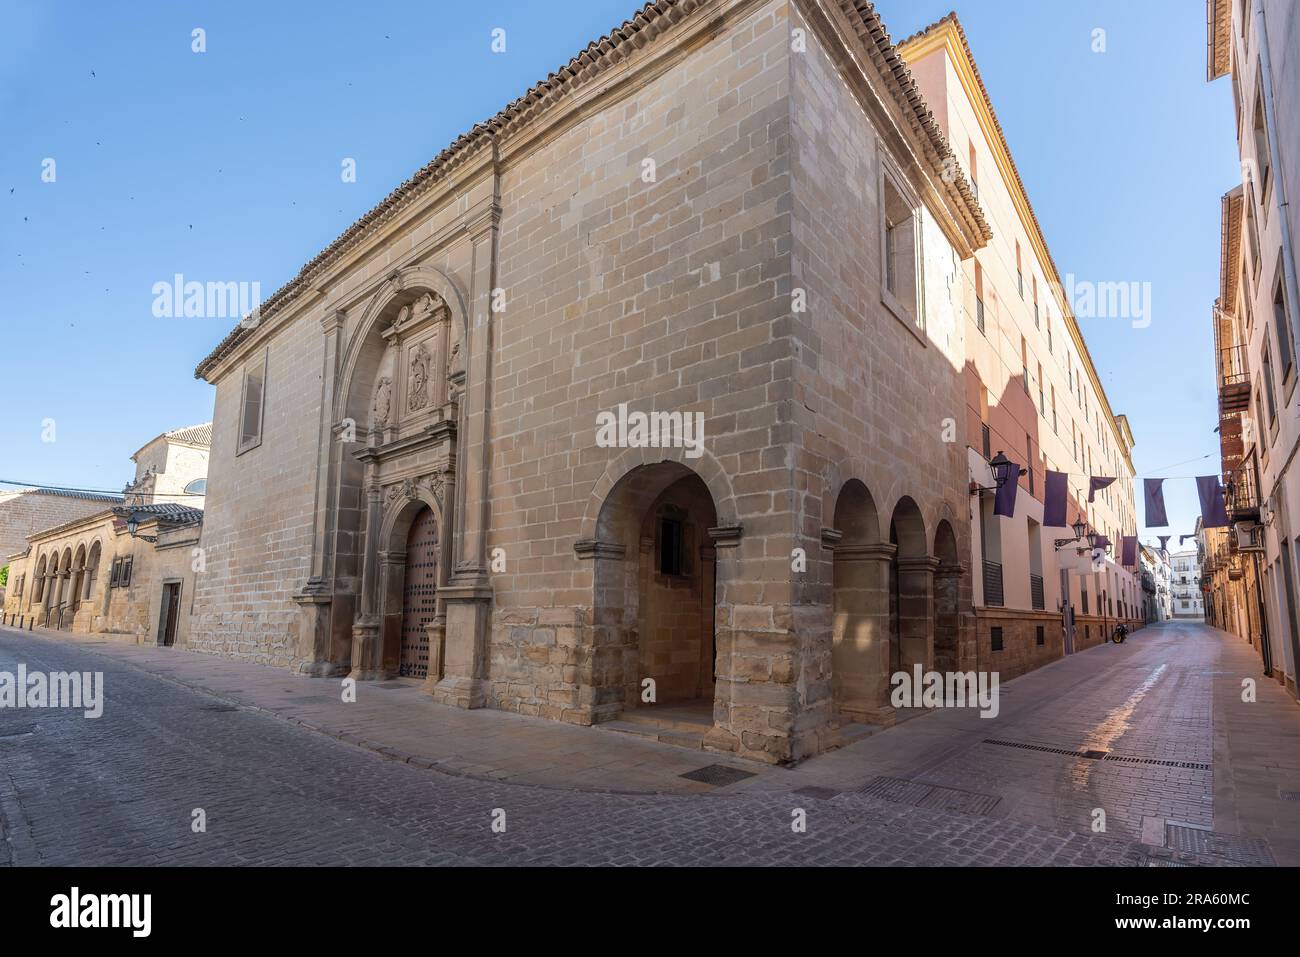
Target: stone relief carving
417 388
434 484
455 358
383 403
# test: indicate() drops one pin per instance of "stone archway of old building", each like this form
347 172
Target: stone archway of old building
860 607
911 591
947 585
654 599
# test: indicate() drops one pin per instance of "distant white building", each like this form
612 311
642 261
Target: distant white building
1185 585
1159 594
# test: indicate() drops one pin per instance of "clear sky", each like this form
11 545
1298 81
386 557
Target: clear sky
225 166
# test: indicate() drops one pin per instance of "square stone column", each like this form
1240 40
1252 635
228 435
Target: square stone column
860 633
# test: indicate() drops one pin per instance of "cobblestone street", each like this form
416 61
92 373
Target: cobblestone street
935 790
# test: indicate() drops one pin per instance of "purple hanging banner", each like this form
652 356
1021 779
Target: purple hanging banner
1213 514
1056 491
1004 502
1154 493
1096 484
1130 550
1102 542
1164 542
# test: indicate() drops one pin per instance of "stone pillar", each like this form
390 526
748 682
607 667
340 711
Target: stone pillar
860 632
947 617
367 651
602 652
469 593
916 612
316 652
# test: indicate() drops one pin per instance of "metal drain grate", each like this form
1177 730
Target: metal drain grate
1093 755
1033 747
719 775
1200 840
219 708
935 796
1289 795
1128 759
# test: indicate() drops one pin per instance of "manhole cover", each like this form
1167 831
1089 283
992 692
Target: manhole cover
961 802
817 792
1197 839
719 775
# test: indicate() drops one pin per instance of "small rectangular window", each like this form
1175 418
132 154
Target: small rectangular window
126 572
995 637
986 440
116 576
1039 637
251 403
670 546
1282 324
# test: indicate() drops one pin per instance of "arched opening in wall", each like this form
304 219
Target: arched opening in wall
859 607
419 594
92 572
78 578
911 587
36 594
654 597
947 586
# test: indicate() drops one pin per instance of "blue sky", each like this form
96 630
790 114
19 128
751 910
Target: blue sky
225 166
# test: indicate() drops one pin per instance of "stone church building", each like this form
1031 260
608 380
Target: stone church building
736 211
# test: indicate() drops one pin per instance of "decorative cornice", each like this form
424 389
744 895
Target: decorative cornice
589 548
726 536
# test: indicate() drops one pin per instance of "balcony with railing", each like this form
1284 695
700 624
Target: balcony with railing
1234 380
993 584
1240 496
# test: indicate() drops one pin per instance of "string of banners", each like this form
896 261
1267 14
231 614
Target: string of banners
1056 494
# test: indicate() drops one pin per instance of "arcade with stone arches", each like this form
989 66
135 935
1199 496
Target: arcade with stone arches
897 589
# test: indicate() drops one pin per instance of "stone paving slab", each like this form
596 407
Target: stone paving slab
1169 695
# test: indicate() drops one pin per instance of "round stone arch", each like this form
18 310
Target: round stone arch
352 398
709 470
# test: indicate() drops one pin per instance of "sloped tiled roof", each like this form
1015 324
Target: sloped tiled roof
192 434
66 493
169 513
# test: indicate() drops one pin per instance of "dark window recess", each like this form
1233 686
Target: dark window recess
126 572
992 584
116 578
1036 593
670 546
987 440
995 637
1039 637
